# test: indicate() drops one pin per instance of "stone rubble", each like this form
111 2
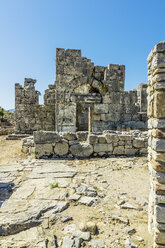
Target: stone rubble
45 208
86 113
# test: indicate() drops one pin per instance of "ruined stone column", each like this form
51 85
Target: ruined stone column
156 146
90 121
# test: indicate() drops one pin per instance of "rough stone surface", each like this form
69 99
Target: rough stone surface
81 150
96 243
43 150
46 137
61 149
86 200
160 214
81 88
156 143
115 142
38 205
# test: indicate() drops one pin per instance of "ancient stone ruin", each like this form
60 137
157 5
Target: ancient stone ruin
87 113
156 142
84 98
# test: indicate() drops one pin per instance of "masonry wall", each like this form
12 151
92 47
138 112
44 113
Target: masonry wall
29 115
70 145
156 142
142 97
84 97
78 81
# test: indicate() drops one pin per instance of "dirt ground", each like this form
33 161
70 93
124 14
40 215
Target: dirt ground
124 183
10 151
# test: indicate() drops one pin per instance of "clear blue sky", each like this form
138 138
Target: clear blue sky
107 31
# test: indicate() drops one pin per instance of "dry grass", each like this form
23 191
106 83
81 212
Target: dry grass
10 151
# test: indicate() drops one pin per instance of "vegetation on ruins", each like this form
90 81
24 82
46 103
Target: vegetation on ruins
104 87
1 113
6 115
53 185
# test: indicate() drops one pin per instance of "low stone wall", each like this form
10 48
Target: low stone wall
68 145
6 130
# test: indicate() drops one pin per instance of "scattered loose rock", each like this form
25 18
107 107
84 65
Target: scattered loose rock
86 200
37 214
129 243
94 243
129 230
66 219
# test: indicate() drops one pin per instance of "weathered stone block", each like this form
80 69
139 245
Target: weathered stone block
158 134
160 226
82 135
121 143
92 139
73 52
159 86
159 199
43 150
103 148
159 187
158 78
69 136
125 137
160 214
69 128
159 176
100 108
107 99
61 149
158 145
119 150
73 142
143 151
111 138
113 116
159 237
158 156
81 150
130 151
159 104
60 52
46 137
102 139
158 166
138 143
96 117
128 142
156 123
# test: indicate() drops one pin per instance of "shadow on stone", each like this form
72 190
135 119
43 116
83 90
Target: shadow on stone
6 190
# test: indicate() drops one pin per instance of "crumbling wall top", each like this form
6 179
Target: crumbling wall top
160 47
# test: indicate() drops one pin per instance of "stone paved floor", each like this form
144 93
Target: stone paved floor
54 199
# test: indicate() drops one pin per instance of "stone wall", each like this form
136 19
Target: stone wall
68 145
142 97
84 97
156 150
29 115
79 82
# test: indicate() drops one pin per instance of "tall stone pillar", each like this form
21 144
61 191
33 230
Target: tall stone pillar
156 146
